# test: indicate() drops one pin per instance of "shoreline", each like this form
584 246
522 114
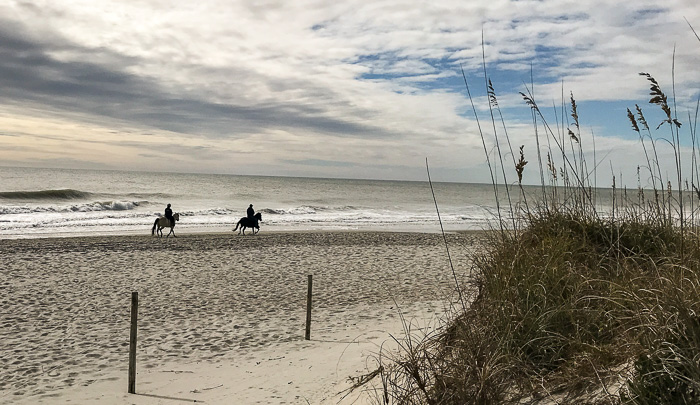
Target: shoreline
227 230
210 302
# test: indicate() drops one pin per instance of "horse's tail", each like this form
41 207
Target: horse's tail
236 228
153 230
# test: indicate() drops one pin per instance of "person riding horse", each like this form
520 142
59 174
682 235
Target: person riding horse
252 220
251 213
169 215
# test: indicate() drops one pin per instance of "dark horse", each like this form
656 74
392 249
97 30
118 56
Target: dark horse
246 222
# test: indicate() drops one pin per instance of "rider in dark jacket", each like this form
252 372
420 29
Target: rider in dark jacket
251 214
169 215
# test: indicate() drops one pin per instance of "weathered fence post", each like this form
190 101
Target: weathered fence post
132 342
308 309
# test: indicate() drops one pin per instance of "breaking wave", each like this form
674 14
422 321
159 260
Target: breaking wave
88 207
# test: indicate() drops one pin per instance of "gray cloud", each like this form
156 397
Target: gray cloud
320 162
30 74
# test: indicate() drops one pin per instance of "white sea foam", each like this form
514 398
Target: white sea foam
40 202
87 207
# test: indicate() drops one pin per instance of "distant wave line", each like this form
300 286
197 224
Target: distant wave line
63 194
307 209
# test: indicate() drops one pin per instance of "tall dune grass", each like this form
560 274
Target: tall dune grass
569 303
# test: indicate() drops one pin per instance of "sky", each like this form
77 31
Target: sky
351 89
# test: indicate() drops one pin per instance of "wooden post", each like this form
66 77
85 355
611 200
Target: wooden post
308 309
132 342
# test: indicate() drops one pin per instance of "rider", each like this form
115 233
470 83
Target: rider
169 215
251 213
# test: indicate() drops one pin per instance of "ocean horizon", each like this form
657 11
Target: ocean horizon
42 202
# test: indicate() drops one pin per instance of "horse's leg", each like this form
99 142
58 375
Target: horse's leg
172 230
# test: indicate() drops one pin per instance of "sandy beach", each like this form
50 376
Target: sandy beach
221 316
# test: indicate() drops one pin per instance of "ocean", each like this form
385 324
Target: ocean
62 202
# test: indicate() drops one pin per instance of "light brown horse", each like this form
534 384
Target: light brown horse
163 222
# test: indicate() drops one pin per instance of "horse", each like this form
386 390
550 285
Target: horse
163 222
246 222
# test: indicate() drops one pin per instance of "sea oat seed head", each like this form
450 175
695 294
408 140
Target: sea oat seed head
572 135
641 117
520 166
574 111
632 120
492 95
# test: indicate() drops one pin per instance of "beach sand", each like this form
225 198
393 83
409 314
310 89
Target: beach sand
221 316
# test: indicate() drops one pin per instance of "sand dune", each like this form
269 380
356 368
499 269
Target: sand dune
221 316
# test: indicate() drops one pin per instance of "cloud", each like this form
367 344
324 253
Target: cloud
320 162
33 76
317 81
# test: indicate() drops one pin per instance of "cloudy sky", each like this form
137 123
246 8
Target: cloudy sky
355 89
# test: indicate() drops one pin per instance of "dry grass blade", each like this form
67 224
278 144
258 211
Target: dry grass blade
693 29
